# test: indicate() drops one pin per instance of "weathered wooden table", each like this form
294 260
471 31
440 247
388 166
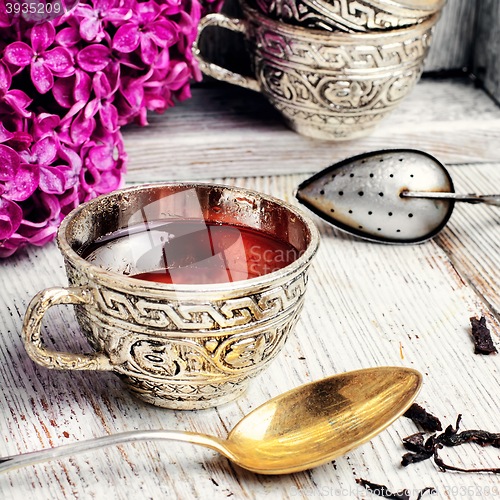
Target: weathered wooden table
367 305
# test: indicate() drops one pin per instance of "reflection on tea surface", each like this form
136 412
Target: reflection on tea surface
190 252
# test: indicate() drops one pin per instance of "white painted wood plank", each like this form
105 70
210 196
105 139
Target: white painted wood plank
473 239
367 305
228 131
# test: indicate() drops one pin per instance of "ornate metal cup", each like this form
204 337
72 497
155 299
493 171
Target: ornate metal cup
334 86
350 15
176 346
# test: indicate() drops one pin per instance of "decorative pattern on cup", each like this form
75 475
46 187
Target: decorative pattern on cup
341 15
330 89
335 95
341 109
343 55
186 396
146 314
204 350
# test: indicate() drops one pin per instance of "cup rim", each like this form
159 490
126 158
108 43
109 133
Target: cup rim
429 6
339 37
235 286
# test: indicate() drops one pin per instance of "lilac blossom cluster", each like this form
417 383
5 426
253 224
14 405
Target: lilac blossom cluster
67 85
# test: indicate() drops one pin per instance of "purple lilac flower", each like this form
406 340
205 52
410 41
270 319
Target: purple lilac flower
18 182
67 86
15 98
43 63
94 18
147 29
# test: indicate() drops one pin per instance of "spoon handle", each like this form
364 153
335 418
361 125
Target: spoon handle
490 199
16 461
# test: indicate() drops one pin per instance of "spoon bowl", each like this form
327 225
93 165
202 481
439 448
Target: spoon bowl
298 430
322 420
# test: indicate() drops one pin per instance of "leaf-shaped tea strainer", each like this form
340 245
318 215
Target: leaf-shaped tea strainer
389 196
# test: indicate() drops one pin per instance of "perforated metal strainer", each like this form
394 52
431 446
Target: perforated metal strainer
390 196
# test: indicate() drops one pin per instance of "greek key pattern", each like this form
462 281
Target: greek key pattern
224 314
333 15
335 99
295 53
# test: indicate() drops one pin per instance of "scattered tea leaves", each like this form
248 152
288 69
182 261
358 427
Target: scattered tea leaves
483 344
451 437
420 416
421 449
383 491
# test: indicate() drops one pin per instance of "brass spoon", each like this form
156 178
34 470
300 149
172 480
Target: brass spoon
300 429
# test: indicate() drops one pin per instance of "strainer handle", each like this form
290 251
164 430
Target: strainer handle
490 199
32 337
213 70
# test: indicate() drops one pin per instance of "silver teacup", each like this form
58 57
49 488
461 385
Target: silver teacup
182 346
334 86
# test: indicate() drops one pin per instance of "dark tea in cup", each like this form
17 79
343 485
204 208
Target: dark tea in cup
192 252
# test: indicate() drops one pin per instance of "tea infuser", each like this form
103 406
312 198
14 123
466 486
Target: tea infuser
388 196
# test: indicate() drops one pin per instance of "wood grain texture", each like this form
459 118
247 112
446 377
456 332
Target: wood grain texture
454 38
367 305
227 131
452 45
487 48
472 240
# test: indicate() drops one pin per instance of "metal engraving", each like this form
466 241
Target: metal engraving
177 346
201 345
344 15
333 86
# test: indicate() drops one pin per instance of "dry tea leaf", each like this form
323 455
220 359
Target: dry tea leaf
483 344
422 450
420 416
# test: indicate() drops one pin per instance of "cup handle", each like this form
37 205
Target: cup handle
32 337
213 70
